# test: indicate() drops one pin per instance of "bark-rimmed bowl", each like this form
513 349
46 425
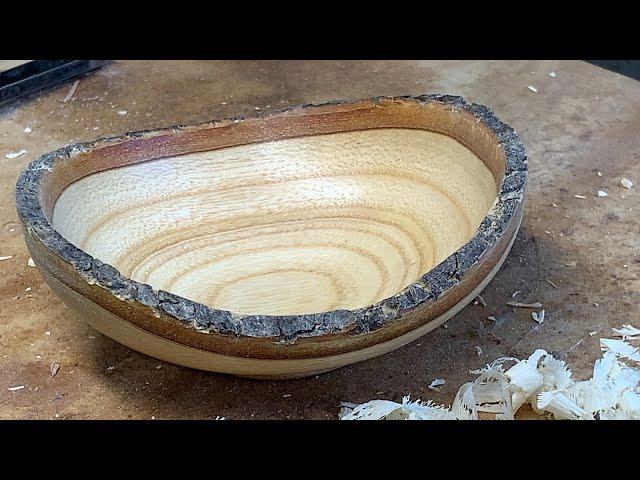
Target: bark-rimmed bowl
179 330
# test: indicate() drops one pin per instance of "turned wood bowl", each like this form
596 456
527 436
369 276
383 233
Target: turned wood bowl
283 245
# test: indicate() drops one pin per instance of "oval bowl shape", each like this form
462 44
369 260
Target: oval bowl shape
282 245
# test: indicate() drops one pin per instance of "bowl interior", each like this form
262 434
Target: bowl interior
289 226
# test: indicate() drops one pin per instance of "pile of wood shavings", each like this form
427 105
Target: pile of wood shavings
544 382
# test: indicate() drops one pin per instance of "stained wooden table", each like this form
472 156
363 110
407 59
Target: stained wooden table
578 256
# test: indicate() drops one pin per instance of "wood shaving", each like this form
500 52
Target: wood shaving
31 263
28 130
552 284
72 91
602 193
438 382
538 317
599 174
582 197
620 348
16 388
481 301
12 155
627 332
532 88
626 183
479 351
552 74
8 257
542 381
54 368
514 294
525 305
122 113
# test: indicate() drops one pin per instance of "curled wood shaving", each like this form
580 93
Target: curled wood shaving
620 348
627 332
542 381
438 382
538 317
53 368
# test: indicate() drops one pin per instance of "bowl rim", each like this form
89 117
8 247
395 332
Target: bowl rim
204 319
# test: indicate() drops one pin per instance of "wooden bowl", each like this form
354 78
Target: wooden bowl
283 245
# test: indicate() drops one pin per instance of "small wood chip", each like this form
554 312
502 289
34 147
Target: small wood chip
28 130
602 193
31 263
599 174
287 395
479 351
72 91
570 264
524 305
12 155
552 284
596 304
516 293
532 88
53 368
626 183
16 388
582 197
552 74
8 257
538 316
122 113
438 382
481 300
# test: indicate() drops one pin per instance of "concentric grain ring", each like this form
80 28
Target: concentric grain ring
308 225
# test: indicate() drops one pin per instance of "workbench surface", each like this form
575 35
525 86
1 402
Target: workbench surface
578 256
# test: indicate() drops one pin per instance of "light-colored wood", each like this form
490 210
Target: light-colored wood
280 245
156 346
293 226
9 64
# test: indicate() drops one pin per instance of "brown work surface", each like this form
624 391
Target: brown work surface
583 121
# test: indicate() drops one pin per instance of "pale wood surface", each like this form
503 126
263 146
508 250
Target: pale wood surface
583 121
9 64
302 225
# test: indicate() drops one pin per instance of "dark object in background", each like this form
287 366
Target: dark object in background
38 75
629 68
